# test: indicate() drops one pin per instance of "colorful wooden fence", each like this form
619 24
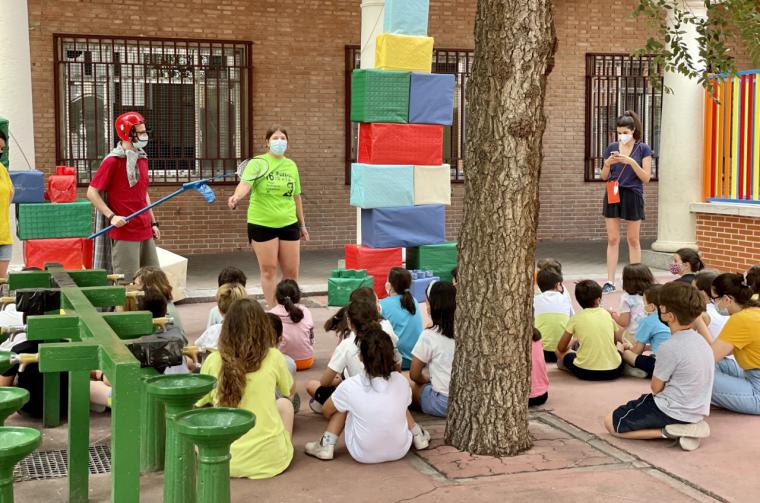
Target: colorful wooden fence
732 140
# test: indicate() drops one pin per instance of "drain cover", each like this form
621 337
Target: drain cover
41 465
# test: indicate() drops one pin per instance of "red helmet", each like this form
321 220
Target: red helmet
125 122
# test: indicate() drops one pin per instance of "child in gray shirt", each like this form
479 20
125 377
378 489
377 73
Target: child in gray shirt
682 380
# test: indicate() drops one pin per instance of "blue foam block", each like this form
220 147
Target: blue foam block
382 185
431 98
28 186
404 227
406 17
420 282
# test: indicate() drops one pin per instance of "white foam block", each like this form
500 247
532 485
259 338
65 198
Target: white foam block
175 267
432 185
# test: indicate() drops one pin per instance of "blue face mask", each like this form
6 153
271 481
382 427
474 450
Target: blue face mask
278 147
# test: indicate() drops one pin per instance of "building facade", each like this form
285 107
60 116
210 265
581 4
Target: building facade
212 76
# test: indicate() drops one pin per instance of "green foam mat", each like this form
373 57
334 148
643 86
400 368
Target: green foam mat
54 220
343 282
380 96
440 259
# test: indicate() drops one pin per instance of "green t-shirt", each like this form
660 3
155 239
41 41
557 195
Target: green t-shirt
272 203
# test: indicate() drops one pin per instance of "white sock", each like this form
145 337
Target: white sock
329 438
416 430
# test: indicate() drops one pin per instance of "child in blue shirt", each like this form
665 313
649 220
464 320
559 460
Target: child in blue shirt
403 311
651 331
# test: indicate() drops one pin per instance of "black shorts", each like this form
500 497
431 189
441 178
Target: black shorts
645 363
323 393
538 400
550 356
590 375
630 207
640 414
260 233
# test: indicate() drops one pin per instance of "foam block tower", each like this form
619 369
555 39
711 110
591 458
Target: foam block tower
400 181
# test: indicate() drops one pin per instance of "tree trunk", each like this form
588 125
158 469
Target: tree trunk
488 401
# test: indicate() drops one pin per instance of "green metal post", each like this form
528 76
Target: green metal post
6 484
79 435
179 473
125 434
51 400
214 473
153 429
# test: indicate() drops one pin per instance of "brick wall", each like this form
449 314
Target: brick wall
298 57
728 243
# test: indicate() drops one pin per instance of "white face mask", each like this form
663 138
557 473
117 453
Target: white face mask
278 147
624 138
140 142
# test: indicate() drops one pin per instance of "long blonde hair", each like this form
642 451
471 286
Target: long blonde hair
246 338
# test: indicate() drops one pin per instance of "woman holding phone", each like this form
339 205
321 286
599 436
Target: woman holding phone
627 167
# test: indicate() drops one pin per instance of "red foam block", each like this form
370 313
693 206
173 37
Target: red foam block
377 261
61 189
73 253
416 144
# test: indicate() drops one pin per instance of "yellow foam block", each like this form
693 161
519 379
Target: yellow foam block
404 53
432 185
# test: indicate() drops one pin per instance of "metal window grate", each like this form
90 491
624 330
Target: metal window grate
455 61
42 465
615 83
194 94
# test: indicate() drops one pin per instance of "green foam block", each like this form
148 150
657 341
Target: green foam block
54 220
343 282
380 96
440 259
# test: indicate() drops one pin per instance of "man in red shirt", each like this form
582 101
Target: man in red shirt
123 178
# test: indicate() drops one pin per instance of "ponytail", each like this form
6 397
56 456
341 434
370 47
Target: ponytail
691 256
337 323
733 284
288 295
753 279
401 281
377 353
363 317
631 120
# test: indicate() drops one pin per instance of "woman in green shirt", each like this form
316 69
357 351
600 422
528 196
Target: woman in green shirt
275 214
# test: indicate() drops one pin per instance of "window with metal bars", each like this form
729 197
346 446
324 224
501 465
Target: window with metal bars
455 61
616 83
195 96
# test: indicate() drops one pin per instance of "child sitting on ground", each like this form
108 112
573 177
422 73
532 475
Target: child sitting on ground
714 321
359 315
597 358
435 350
372 408
636 279
551 310
229 274
682 381
298 325
554 265
277 327
225 296
651 332
539 377
753 280
249 369
403 311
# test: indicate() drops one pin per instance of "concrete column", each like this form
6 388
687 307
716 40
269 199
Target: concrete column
680 153
372 26
16 92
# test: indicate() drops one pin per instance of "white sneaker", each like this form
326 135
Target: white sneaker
325 452
631 371
315 406
422 440
688 443
691 430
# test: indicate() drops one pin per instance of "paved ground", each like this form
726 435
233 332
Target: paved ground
572 458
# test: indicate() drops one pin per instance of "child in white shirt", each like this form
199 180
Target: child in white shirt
225 296
435 349
371 408
229 274
551 310
637 278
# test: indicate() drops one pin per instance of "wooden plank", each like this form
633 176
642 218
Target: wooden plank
52 328
129 325
28 279
91 277
66 356
79 436
102 296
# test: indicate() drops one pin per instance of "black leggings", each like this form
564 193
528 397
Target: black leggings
323 393
538 400
590 375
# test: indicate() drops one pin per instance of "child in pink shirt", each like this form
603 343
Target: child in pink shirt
539 379
297 323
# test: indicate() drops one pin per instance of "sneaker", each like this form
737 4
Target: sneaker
608 288
296 400
688 443
631 371
692 430
325 452
315 406
422 440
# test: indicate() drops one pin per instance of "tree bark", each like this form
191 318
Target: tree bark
488 401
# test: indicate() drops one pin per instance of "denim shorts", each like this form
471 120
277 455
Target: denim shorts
6 252
432 402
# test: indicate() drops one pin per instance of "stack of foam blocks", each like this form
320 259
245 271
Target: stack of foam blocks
400 182
51 232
